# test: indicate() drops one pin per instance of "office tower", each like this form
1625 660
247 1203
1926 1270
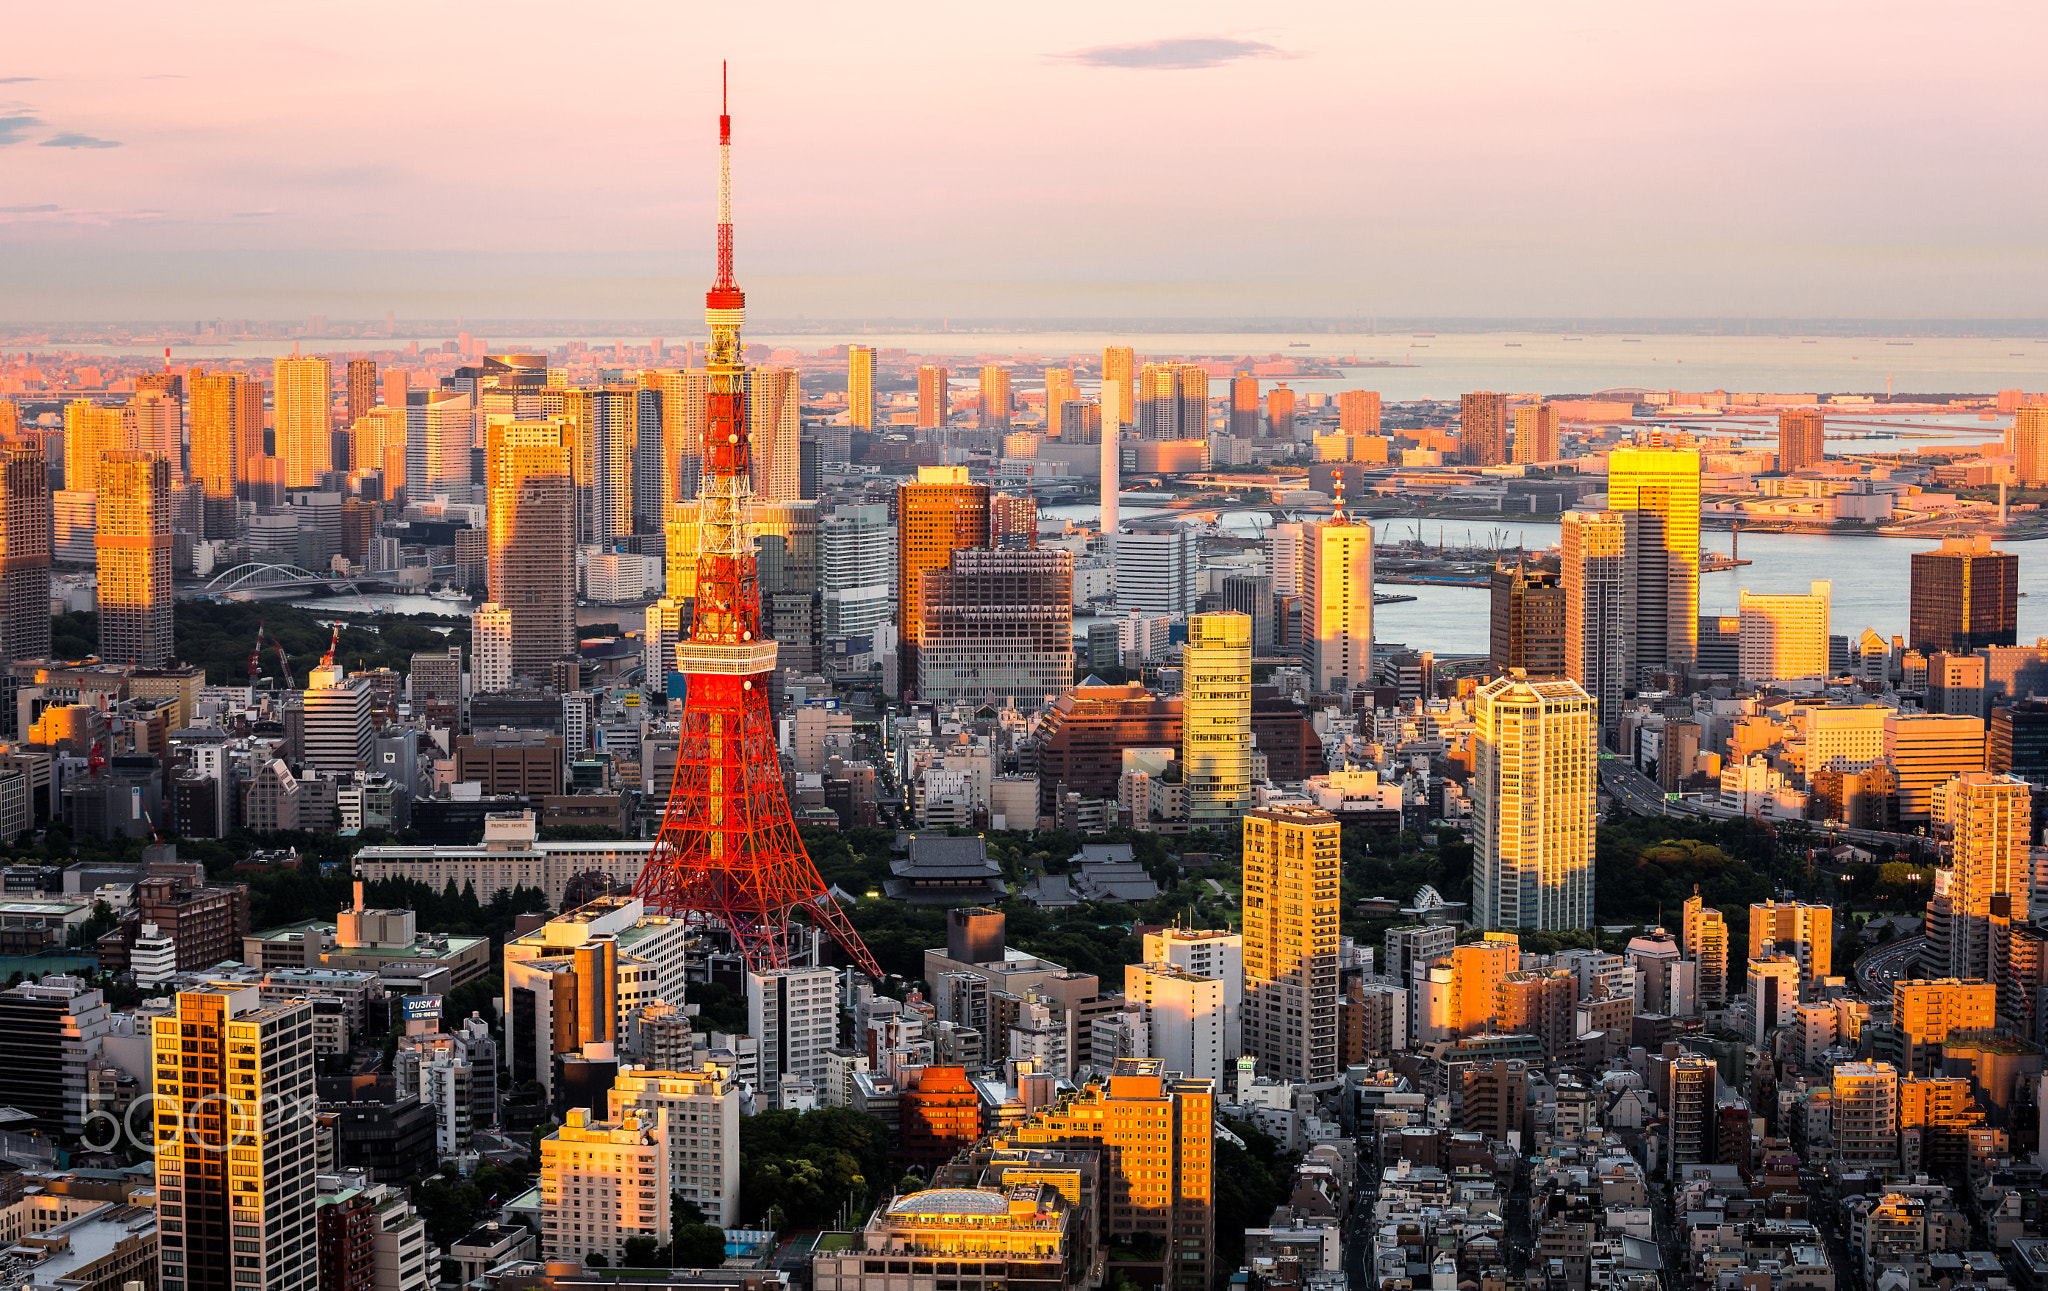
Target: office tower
1119 364
1013 520
1785 635
1216 718
1864 1111
940 514
793 1013
440 431
1060 391
1533 800
397 382
860 386
53 1029
1336 588
25 537
230 1061
132 543
490 645
602 1183
1280 413
775 430
533 539
1536 434
337 719
1290 943
1690 1132
1079 421
377 443
90 432
1244 406
995 397
2017 742
934 396
857 568
996 626
159 427
361 380
1803 931
1286 554
700 1109
2029 442
227 417
604 432
1109 470
1986 818
1528 621
1215 953
1704 936
1253 597
1173 401
1483 428
1358 412
1925 1014
1661 487
1925 750
1599 611
1185 1017
1965 596
1802 440
304 404
1157 568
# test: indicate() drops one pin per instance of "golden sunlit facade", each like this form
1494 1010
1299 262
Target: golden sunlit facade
91 431
227 429
934 396
1663 486
1290 943
1785 635
860 386
132 544
1924 1013
24 551
940 514
1337 586
1533 804
601 1184
303 395
1120 364
1536 434
1216 717
1987 819
533 538
995 397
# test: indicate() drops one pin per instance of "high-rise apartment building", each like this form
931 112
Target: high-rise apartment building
1703 934
25 536
1804 931
1662 487
533 539
159 421
1785 635
1965 596
1185 1018
1689 1130
1244 406
1536 434
303 395
1527 621
337 719
1483 427
1478 968
1772 983
995 397
91 431
490 638
1060 391
1802 439
1926 1013
602 1183
1173 401
1217 953
1599 611
860 387
440 431
227 1061
604 426
1864 1111
1013 520
997 625
1337 602
698 1111
1358 412
793 1013
1533 804
940 514
775 432
227 420
2028 441
856 568
1157 568
1290 943
1987 819
132 544
1216 718
361 381
1927 749
1280 413
934 396
1119 364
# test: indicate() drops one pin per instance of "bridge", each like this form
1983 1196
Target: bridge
258 576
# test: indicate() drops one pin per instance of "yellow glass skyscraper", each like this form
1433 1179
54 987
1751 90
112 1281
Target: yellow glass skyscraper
1662 486
90 432
1119 363
303 396
1216 717
860 386
1290 942
227 428
132 542
1337 602
533 538
1533 804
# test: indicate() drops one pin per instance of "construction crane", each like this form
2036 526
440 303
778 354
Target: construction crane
256 656
96 760
284 664
333 644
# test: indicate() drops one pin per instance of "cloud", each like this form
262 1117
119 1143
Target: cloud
256 214
1179 54
44 208
12 128
72 139
18 80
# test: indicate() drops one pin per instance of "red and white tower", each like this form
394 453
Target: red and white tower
728 848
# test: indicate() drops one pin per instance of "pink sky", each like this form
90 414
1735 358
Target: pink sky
1804 159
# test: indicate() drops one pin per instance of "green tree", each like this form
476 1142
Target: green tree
698 1246
639 1253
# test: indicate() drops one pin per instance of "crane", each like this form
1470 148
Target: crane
333 644
284 664
256 656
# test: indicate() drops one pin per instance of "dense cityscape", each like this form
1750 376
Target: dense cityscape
709 816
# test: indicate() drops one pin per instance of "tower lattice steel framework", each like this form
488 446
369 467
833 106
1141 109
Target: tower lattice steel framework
728 848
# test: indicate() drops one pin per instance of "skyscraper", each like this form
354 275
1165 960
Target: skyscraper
1290 943
1533 801
1157 568
229 1062
934 397
361 378
1059 392
940 514
860 386
24 551
995 397
440 431
159 421
91 431
1987 820
132 543
775 430
337 719
1280 413
1216 718
490 658
996 625
1527 622
1799 929
1785 636
303 394
1173 401
604 430
2028 440
1965 596
532 515
1337 602
1358 412
1536 434
1483 428
1244 406
1662 487
1119 364
227 416
856 567
1703 934
1802 439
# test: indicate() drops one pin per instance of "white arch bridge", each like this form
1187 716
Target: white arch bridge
256 576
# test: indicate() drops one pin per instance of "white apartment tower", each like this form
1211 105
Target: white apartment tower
793 1012
1599 611
1533 804
701 1110
490 648
1210 953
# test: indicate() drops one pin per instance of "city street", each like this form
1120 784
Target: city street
1879 968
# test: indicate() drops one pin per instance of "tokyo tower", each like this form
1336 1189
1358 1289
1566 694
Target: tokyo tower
728 848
